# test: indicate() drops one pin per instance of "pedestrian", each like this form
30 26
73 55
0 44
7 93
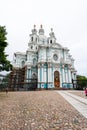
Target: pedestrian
86 91
6 90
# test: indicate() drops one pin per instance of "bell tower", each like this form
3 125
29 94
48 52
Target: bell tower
34 36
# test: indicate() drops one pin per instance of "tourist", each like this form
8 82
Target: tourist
86 91
6 90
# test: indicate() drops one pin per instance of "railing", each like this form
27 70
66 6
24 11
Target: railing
4 82
14 83
79 84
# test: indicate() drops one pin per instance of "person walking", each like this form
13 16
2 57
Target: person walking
86 91
6 90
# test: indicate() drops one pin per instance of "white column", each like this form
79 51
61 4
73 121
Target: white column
69 76
72 76
60 79
42 74
27 73
30 73
48 74
45 75
63 73
38 74
66 77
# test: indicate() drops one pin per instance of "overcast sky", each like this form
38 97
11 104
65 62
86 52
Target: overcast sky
68 18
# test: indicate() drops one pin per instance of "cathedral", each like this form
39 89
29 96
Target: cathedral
47 61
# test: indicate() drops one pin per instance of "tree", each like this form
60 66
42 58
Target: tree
81 81
4 63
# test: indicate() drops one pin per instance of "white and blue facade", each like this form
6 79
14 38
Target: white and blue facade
46 60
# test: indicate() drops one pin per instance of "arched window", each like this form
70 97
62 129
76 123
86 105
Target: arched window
36 48
36 39
31 47
50 41
22 63
31 38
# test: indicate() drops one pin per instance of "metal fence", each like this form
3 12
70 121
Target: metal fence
15 84
79 84
4 82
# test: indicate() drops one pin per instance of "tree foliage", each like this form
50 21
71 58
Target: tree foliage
4 63
81 81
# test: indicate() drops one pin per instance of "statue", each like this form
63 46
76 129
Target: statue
34 26
41 26
51 29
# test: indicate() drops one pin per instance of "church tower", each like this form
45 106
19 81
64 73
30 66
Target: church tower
32 54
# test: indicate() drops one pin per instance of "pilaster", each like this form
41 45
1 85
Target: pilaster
69 74
63 73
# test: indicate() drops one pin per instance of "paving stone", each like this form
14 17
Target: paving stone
39 110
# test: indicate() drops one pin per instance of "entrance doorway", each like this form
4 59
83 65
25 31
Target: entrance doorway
56 79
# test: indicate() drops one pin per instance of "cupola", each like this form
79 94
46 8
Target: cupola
34 31
52 38
41 30
34 36
52 33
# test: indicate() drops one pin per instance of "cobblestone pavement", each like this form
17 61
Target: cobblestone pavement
80 93
38 110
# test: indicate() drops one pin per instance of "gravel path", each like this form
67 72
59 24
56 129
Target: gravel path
38 110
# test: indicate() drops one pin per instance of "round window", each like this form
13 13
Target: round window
55 57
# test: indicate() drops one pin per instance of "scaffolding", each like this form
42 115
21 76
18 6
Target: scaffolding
17 78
